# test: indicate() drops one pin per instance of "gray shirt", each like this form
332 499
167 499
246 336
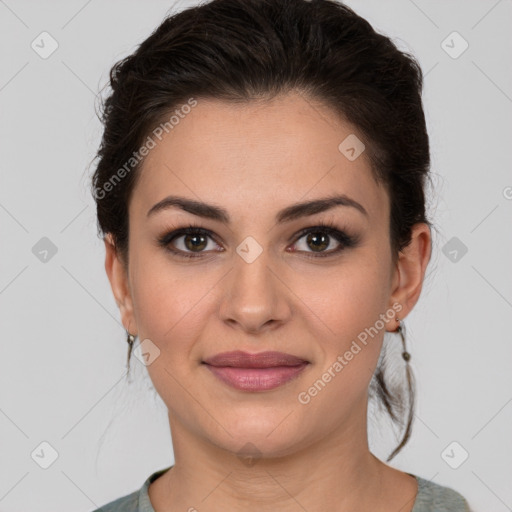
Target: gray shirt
431 497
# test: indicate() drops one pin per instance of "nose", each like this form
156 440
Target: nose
254 296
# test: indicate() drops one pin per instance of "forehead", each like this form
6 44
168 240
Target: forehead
256 157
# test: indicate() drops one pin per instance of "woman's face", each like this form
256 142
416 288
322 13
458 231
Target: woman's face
254 283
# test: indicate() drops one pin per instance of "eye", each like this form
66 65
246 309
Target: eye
320 238
194 239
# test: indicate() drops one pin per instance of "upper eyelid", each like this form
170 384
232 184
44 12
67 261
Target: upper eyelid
180 231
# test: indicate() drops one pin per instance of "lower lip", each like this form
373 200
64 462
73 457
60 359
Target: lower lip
256 379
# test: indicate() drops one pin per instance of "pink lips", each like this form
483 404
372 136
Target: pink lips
255 372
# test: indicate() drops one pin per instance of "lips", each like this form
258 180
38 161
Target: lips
240 359
255 372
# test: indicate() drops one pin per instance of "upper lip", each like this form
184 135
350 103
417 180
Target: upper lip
240 359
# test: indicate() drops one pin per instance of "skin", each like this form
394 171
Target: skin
253 160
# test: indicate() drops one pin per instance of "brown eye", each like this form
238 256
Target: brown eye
319 238
319 241
189 242
193 242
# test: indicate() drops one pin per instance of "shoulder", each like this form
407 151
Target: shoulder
434 497
137 501
128 503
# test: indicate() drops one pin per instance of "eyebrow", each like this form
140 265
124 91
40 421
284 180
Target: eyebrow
210 211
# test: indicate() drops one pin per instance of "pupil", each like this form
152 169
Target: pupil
316 238
194 244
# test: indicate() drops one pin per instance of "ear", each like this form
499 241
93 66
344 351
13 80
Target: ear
410 271
117 275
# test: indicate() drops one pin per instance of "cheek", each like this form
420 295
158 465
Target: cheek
349 306
349 340
171 304
170 308
348 299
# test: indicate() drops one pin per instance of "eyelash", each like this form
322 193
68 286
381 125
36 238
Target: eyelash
346 241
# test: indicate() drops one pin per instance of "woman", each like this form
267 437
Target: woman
260 189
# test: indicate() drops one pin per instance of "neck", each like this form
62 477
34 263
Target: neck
337 471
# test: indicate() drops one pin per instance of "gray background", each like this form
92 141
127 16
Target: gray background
63 348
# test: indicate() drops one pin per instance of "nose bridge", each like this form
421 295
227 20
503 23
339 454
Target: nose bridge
254 295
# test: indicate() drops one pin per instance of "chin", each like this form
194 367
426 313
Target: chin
259 436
